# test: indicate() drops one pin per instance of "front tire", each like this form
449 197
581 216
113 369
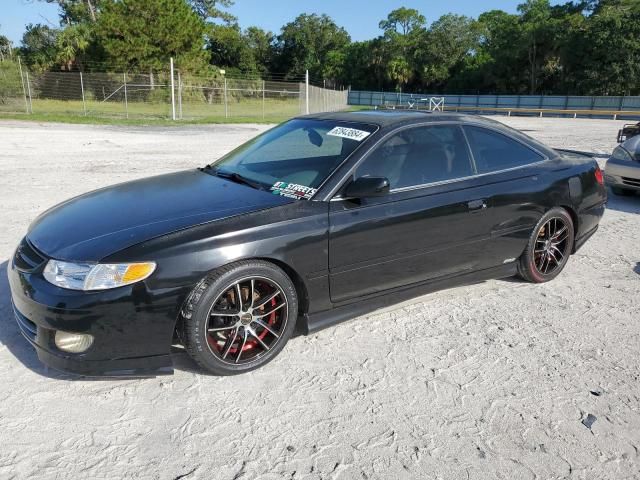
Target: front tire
240 317
549 247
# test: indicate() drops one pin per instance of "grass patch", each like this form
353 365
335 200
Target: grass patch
92 120
149 113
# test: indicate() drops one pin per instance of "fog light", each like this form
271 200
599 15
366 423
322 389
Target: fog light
73 342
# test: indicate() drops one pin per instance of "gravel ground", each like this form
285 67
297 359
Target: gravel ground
487 381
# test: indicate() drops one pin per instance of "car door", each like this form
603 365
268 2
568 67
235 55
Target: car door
516 191
431 224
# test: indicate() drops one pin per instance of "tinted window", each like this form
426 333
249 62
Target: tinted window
300 152
493 151
420 155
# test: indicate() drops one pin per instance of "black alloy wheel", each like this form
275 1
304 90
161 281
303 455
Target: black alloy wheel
240 317
549 247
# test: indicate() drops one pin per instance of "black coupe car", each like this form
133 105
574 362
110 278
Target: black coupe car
319 219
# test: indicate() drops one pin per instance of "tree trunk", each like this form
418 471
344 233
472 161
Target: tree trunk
152 83
92 11
532 67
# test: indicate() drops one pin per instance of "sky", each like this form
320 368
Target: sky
359 17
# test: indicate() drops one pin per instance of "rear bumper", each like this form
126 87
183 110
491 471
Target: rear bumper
622 174
588 223
132 326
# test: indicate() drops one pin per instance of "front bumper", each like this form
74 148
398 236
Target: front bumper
132 326
622 174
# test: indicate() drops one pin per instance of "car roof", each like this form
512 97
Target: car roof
390 119
384 118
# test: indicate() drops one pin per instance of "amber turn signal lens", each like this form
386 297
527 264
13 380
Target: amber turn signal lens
138 271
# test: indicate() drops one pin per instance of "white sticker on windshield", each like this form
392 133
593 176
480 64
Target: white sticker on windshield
351 133
292 190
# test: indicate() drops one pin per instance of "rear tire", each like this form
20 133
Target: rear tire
549 247
240 317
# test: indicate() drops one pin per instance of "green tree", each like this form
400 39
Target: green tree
444 46
77 11
539 32
213 9
402 28
364 65
230 49
10 82
602 56
261 44
71 44
39 47
403 21
306 43
144 34
6 48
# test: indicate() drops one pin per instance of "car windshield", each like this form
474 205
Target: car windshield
294 158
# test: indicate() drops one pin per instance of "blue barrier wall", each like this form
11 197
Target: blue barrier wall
553 102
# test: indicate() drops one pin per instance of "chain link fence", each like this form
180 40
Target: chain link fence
156 96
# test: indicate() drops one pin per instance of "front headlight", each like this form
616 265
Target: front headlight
91 276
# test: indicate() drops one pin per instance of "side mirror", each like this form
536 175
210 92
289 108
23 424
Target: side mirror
367 187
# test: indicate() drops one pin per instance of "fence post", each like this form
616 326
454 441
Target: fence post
29 91
24 91
126 98
179 96
173 92
306 91
84 105
263 92
226 102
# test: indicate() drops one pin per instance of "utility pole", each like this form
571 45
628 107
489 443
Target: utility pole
24 91
226 100
84 104
126 98
179 96
306 91
29 91
173 93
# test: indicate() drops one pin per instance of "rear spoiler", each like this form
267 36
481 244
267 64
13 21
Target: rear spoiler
583 154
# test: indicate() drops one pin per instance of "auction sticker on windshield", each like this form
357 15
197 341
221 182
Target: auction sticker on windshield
292 190
351 133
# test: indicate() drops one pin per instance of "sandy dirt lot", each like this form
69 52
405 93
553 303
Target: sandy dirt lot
487 381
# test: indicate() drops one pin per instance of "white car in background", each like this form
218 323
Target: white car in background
622 172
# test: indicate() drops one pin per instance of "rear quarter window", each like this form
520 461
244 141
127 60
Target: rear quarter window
494 151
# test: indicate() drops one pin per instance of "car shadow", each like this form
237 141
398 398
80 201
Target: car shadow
626 204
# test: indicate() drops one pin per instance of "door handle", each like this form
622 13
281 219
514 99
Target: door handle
476 205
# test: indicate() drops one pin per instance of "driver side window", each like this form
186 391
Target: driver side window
420 155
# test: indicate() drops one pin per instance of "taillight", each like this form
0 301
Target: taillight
599 176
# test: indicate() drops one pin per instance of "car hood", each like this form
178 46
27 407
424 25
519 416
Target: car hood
100 223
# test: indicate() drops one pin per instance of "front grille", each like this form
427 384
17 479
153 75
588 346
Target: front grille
27 258
28 328
634 182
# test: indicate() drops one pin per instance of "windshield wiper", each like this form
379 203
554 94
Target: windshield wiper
236 177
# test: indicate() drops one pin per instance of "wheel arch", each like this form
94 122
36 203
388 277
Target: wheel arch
574 219
296 278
